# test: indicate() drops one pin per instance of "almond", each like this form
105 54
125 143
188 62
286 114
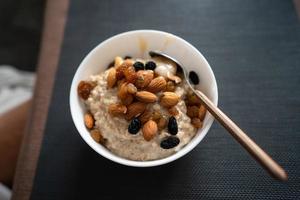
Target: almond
149 130
202 112
120 70
117 109
156 85
144 77
111 78
162 123
97 136
89 120
146 97
169 99
130 74
192 111
146 116
131 89
123 93
128 100
134 110
118 61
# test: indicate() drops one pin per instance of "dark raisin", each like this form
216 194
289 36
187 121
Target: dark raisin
134 126
194 77
150 65
127 57
138 66
172 126
169 142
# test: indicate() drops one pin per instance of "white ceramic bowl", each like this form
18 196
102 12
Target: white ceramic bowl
137 44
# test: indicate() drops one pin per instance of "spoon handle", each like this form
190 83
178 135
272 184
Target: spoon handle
262 157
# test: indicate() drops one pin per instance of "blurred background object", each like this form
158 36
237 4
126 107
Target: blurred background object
21 27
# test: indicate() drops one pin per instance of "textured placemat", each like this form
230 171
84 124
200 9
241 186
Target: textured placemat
254 50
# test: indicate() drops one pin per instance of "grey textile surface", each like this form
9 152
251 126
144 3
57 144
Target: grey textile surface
20 32
254 50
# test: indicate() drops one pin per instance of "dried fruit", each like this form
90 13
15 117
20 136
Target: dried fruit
192 111
150 65
84 89
130 74
173 111
144 77
197 123
146 116
117 109
149 130
111 78
193 99
172 126
156 85
138 66
118 61
89 120
162 123
146 97
169 99
134 126
202 112
134 110
194 77
97 136
131 89
169 142
156 116
170 86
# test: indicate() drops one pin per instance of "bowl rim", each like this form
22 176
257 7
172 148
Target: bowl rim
115 158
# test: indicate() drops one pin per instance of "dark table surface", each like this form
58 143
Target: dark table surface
254 50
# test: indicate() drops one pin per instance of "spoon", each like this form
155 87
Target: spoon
260 155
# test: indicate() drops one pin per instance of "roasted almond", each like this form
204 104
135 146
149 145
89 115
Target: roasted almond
156 85
146 116
89 120
117 109
134 110
97 136
118 61
202 112
192 111
127 100
162 123
146 97
144 77
169 99
120 70
123 93
149 130
111 78
131 89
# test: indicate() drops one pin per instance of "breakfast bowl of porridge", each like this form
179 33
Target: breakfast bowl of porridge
138 110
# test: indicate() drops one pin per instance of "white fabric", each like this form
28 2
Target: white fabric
5 193
15 87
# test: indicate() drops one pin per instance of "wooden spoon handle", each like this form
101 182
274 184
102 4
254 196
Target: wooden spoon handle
262 157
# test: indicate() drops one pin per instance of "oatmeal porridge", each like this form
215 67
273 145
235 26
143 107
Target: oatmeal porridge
141 109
